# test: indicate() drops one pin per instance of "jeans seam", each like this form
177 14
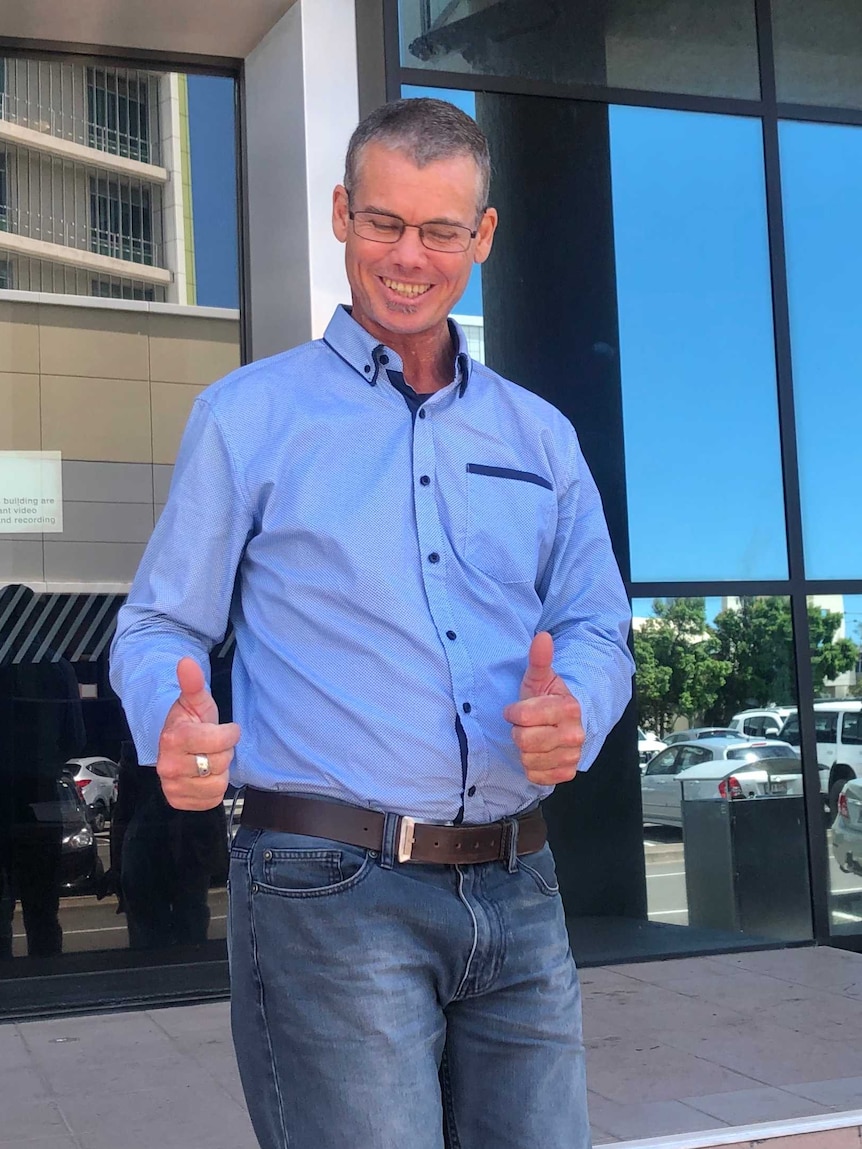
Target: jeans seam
262 1006
461 988
450 1128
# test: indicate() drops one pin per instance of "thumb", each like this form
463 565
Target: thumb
539 676
194 697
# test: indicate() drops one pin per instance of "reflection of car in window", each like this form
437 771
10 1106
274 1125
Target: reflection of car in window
714 769
838 728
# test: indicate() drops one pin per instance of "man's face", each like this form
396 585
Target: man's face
402 288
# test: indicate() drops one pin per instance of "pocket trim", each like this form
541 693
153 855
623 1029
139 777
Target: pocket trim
544 888
510 473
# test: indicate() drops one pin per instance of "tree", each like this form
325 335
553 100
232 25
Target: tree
678 673
756 640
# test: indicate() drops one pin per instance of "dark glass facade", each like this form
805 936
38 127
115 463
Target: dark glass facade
682 231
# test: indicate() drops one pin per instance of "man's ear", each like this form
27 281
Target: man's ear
485 235
340 213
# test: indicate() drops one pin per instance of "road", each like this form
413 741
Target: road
666 896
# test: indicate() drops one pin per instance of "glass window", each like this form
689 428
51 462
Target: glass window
90 855
693 756
851 730
121 220
118 109
692 46
717 855
821 176
703 466
664 763
818 51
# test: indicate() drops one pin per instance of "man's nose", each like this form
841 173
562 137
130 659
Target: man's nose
409 249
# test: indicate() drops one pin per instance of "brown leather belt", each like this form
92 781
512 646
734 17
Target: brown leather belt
415 841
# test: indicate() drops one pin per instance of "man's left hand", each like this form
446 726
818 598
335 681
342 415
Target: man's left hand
546 722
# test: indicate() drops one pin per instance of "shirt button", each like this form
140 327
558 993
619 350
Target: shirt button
471 791
466 707
451 635
433 557
425 480
384 359
421 412
367 368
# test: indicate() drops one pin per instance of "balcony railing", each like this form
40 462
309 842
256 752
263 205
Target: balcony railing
112 110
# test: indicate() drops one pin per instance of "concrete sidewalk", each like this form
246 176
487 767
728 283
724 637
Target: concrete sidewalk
698 1044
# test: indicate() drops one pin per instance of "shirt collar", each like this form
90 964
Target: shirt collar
357 347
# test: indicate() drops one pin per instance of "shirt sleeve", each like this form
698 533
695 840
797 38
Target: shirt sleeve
179 602
586 610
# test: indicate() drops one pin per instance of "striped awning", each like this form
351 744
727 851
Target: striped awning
77 627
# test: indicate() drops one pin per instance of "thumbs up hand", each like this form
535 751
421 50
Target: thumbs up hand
546 721
195 750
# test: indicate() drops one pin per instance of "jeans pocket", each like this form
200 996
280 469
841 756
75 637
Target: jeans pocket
541 869
316 868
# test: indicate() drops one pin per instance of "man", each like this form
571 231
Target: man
430 634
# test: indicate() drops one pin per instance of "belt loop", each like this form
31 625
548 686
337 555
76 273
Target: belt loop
510 844
388 846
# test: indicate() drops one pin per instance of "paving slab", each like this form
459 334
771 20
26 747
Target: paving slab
687 1048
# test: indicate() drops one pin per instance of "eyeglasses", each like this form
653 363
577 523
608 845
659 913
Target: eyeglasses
389 229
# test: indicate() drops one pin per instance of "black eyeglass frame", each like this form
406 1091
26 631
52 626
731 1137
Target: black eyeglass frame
351 214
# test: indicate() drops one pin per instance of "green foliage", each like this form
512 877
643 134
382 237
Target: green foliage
678 673
757 640
709 673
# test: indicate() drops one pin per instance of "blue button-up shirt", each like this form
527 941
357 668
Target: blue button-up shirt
385 571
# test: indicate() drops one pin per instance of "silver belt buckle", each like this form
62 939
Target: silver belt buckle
406 838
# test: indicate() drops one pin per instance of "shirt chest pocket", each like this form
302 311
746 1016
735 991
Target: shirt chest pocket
510 522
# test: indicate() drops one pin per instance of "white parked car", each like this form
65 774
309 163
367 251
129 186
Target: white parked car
717 768
839 745
648 745
766 722
96 781
847 829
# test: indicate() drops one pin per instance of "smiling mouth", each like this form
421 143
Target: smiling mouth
405 290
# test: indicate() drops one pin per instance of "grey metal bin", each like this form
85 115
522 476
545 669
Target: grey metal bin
746 866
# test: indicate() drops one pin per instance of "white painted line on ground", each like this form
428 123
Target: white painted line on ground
745 1134
667 913
674 874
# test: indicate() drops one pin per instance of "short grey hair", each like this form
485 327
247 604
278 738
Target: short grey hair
425 130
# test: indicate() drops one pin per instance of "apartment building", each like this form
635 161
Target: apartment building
95 182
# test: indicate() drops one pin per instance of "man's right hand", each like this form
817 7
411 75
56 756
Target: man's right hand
192 728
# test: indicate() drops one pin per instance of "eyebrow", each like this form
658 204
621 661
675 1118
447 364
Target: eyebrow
395 215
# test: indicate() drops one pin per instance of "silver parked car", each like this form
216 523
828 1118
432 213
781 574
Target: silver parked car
699 732
717 768
96 780
847 829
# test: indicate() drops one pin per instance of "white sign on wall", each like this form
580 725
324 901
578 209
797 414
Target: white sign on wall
31 492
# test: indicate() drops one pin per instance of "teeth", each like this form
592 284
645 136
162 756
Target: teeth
409 290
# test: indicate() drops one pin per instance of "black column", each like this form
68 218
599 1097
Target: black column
551 325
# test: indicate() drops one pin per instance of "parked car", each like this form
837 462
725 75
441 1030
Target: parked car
96 780
648 745
66 816
847 829
766 722
698 732
839 746
717 768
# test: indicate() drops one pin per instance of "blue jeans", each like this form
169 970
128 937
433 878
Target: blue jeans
379 1005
